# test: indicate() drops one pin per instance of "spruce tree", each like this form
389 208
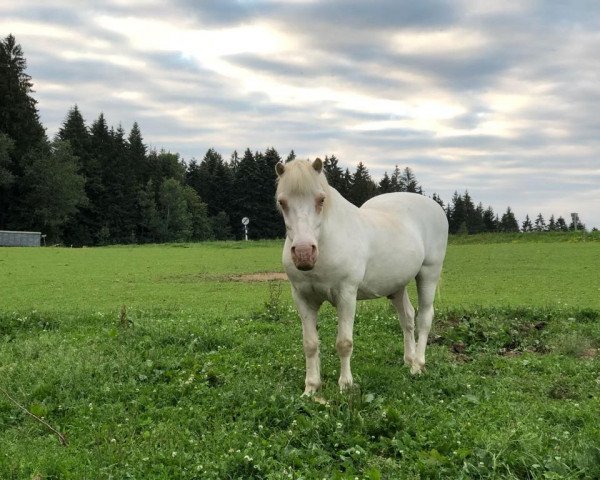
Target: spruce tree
385 185
19 118
81 228
234 162
410 181
561 225
19 121
362 187
245 200
291 156
436 198
509 223
346 184
76 133
213 181
397 181
6 175
270 220
136 156
334 174
527 226
540 224
490 220
457 216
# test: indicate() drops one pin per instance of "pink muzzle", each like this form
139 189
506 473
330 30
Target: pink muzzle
304 255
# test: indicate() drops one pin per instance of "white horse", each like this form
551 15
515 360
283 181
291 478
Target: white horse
337 252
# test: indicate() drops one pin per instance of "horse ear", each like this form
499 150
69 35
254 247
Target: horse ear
280 168
318 165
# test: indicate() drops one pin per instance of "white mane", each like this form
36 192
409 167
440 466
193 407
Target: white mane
299 177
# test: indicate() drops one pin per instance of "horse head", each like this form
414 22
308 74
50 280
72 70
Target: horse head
301 196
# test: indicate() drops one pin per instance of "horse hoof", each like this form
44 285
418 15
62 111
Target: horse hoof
345 384
309 391
417 369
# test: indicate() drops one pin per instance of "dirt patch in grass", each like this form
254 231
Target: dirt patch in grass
590 353
259 277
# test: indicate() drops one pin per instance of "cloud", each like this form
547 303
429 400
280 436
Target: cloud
497 98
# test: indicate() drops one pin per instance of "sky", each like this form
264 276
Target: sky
497 98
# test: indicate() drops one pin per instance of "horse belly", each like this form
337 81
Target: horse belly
386 280
397 261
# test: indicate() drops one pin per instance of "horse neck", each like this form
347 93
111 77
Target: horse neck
342 217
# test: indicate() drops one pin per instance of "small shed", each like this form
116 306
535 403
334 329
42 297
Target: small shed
10 238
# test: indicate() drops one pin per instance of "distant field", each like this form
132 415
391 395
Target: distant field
200 376
198 277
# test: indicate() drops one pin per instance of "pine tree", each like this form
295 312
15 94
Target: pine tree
509 223
345 184
385 185
136 156
19 118
334 173
362 187
213 181
397 181
527 226
291 156
490 220
457 216
579 226
6 176
221 226
270 220
82 227
245 201
561 225
19 121
76 133
540 224
410 181
473 215
234 162
552 224
436 198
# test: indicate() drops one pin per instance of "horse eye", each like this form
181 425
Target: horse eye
320 202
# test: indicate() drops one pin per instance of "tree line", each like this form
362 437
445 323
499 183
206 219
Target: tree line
464 217
96 184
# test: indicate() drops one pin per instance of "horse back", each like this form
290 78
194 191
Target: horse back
414 218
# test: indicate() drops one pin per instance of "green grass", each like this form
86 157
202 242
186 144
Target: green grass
200 379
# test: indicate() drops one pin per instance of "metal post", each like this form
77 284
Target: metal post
245 222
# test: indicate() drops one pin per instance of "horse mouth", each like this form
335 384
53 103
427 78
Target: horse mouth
305 267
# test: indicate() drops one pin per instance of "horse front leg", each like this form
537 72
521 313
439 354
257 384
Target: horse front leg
346 309
310 340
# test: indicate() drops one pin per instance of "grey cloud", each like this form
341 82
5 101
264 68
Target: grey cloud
347 45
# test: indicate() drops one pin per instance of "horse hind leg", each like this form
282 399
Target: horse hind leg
406 315
427 280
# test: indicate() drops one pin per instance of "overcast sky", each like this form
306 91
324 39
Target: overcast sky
500 98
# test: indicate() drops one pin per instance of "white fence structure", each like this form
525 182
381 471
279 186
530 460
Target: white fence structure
20 239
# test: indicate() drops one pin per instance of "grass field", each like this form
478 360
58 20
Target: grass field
201 375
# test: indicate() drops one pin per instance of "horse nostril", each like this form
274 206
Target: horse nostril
293 250
314 249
